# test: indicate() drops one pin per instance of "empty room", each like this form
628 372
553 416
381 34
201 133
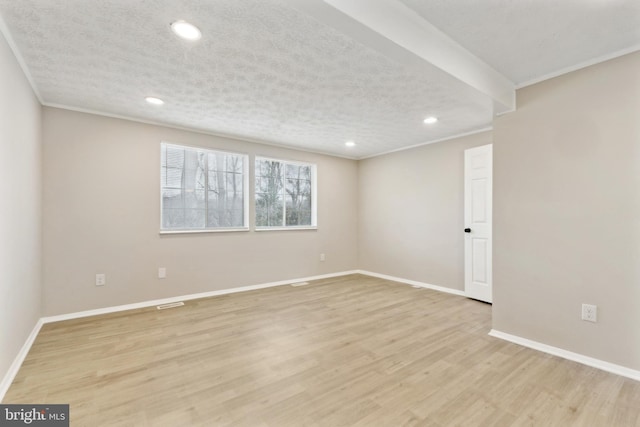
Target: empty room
319 213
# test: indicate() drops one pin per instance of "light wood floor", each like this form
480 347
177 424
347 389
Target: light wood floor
351 351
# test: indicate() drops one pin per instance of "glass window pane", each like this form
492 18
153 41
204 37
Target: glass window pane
218 209
194 199
172 199
194 170
234 164
174 157
305 172
226 190
305 203
293 171
201 188
194 218
279 199
212 161
269 193
212 219
172 218
172 177
297 212
237 217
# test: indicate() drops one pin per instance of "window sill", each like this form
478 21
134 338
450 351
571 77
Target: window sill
219 230
286 228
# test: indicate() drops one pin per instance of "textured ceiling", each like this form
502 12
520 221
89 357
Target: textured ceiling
529 39
267 71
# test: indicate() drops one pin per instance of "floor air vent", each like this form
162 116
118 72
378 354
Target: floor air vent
300 284
170 305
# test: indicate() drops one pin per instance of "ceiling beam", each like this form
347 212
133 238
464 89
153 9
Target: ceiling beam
398 32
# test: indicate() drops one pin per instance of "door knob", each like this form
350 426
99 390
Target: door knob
467 230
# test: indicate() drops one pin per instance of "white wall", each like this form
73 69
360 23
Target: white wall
411 212
20 208
566 206
567 212
102 215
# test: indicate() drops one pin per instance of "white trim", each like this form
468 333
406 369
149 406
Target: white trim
314 191
17 362
304 227
314 196
413 283
400 33
502 113
245 182
22 354
4 30
201 148
257 141
19 359
579 66
447 138
569 355
152 303
280 160
206 230
194 130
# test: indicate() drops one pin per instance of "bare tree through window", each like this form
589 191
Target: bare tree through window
202 189
283 193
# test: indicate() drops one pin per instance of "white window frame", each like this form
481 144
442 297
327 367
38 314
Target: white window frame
245 199
314 196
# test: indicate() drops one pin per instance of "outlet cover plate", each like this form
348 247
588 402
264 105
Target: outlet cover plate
101 279
590 312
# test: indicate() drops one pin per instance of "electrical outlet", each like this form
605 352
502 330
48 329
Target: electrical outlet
590 312
162 273
322 257
101 279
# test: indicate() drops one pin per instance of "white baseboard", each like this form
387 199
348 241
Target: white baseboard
17 362
22 354
413 283
152 303
565 354
15 366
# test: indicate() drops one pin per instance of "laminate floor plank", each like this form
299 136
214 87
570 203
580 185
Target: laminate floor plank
347 351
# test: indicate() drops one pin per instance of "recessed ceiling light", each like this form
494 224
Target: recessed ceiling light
350 144
430 120
153 100
186 31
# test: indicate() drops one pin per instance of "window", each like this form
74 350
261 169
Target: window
203 189
285 194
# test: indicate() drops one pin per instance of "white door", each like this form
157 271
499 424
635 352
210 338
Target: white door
478 183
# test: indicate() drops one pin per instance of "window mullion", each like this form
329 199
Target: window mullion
284 194
206 190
